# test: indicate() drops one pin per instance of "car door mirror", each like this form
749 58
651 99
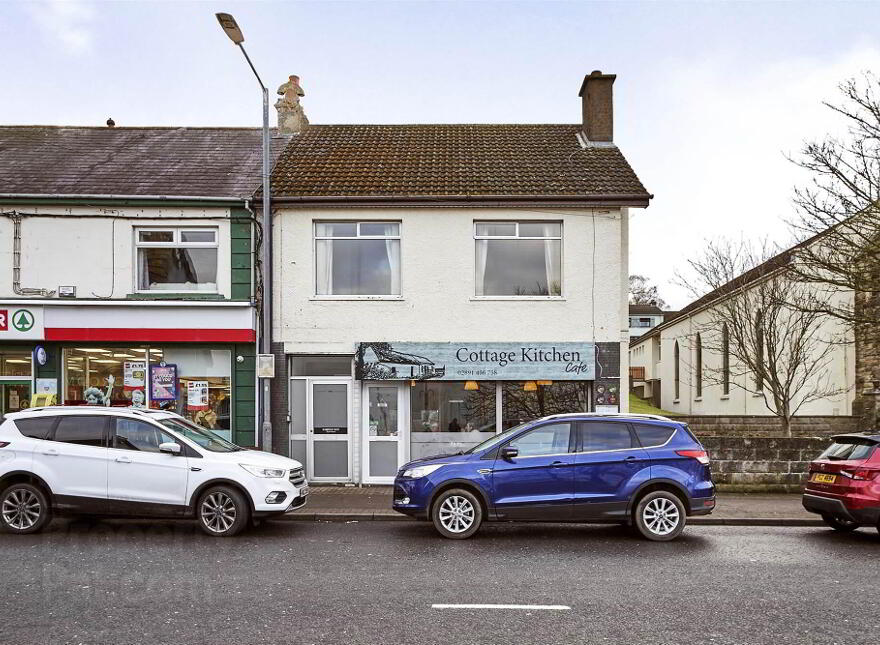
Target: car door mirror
508 453
170 447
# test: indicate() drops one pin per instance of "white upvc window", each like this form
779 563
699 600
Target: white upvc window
180 260
518 259
357 259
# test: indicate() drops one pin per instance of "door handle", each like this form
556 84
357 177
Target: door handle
558 463
51 452
631 459
123 460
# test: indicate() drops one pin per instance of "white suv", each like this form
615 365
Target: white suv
142 463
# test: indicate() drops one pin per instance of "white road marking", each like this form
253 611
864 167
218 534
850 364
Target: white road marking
483 606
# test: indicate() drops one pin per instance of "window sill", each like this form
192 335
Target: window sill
676 401
350 298
698 399
757 395
172 295
520 298
725 397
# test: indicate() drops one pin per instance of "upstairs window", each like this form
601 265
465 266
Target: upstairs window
177 259
357 258
518 258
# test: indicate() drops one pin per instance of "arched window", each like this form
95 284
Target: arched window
759 351
677 373
725 360
698 373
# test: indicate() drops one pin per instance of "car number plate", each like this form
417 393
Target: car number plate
822 478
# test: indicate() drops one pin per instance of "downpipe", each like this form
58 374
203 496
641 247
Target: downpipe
16 261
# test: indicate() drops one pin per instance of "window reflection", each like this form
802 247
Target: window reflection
561 397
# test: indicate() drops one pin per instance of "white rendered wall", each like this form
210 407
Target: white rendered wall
96 255
437 283
841 368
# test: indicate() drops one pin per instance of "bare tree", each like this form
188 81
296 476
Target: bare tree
642 292
840 208
769 342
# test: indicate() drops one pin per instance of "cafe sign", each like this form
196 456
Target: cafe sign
476 361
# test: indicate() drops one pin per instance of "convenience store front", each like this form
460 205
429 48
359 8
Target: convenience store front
195 360
403 401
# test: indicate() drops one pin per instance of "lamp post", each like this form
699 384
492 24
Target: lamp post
227 22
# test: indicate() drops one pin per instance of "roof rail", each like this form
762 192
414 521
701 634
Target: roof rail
90 408
626 415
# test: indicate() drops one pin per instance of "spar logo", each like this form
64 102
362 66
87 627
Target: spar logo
21 320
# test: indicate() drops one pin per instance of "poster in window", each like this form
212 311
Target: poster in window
163 382
197 395
134 375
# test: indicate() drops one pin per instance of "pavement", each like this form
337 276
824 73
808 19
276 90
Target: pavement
379 583
350 503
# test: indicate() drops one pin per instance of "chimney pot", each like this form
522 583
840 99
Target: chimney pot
598 106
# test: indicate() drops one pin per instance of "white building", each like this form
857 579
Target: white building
435 284
126 257
671 364
642 318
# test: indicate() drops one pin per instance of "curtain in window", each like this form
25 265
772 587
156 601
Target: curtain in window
482 255
392 247
552 260
324 267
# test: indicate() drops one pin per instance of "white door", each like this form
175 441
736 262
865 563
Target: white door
138 472
384 429
320 427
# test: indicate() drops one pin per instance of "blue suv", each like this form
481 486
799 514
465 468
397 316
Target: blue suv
641 470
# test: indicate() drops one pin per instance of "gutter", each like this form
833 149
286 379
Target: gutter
638 200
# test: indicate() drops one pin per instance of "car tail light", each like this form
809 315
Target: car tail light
700 455
3 444
861 474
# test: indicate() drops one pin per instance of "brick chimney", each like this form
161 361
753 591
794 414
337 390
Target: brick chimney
598 106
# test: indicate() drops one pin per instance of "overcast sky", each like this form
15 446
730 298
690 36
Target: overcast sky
709 98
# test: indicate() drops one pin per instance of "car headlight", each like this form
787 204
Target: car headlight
263 471
421 471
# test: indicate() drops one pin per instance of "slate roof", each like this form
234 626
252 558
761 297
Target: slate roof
155 161
644 309
476 162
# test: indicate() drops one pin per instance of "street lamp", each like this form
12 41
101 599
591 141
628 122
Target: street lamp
227 22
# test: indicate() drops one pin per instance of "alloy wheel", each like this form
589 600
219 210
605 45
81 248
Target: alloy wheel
21 509
218 512
661 516
456 514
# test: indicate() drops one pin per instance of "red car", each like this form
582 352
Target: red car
844 483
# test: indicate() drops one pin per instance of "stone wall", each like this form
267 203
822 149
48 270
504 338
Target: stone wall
762 464
766 426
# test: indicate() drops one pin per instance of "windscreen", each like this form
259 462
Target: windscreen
849 448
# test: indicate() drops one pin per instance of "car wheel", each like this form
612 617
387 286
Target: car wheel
457 514
660 516
24 509
222 511
840 524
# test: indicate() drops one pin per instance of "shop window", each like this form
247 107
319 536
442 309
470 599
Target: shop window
97 376
177 259
357 258
15 362
520 404
446 417
204 378
318 365
518 258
